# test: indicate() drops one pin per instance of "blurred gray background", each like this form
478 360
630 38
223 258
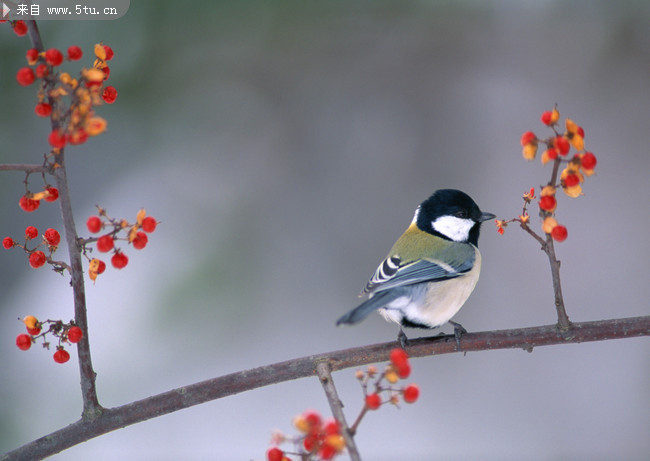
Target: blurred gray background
284 146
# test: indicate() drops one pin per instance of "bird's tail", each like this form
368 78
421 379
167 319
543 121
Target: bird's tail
379 300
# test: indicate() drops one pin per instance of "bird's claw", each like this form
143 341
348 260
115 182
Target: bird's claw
459 330
402 339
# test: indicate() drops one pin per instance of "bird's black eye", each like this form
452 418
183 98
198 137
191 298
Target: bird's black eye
462 214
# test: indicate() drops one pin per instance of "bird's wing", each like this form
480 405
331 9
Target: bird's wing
393 272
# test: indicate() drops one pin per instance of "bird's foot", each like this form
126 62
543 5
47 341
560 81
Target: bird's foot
402 339
459 331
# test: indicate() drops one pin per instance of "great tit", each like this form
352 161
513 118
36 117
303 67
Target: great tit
431 269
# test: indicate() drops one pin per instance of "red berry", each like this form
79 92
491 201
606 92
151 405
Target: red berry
31 232
57 139
78 136
326 452
8 242
547 117
25 76
43 109
559 233
404 371
33 331
74 334
107 72
109 95
571 180
102 267
149 224
42 71
399 357
53 194
373 401
552 153
27 204
23 342
311 441
32 56
588 161
331 427
94 224
411 393
313 419
52 237
274 454
562 145
20 28
74 53
548 203
53 57
61 356
109 52
119 260
140 240
37 259
105 243
581 132
528 137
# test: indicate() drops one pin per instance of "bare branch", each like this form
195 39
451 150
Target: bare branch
26 167
223 386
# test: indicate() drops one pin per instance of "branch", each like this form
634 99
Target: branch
91 407
26 167
325 374
234 383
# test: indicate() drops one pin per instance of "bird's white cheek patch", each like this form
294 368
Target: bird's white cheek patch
455 228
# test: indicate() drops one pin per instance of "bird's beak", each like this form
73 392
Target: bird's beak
486 216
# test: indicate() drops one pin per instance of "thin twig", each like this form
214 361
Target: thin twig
325 374
235 383
26 167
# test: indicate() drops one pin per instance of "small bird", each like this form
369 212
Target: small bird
431 269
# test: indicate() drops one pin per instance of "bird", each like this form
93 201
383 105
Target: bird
431 269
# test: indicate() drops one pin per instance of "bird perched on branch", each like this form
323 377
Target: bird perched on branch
431 269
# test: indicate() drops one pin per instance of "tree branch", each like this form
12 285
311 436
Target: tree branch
325 374
234 383
91 407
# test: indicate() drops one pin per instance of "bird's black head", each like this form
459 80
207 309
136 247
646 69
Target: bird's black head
452 215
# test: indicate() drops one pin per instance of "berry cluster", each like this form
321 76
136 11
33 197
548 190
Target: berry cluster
69 101
318 439
65 332
49 242
323 440
399 368
557 149
118 229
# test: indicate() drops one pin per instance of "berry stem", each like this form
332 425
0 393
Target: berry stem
324 372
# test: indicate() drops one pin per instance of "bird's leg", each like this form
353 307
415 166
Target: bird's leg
401 338
458 332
